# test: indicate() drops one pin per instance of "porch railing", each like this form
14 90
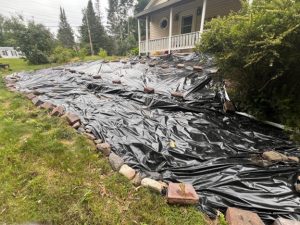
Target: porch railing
181 41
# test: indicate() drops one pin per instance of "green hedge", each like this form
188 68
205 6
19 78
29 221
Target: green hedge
258 49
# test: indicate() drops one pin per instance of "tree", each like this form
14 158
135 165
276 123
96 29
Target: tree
98 34
65 33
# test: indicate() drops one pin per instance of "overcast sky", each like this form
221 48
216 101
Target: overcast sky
47 11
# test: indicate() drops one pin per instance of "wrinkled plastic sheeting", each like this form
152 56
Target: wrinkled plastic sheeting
180 140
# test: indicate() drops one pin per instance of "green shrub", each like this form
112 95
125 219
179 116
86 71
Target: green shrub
102 53
82 53
259 49
134 52
62 55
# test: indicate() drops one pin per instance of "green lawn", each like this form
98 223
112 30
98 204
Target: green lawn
50 174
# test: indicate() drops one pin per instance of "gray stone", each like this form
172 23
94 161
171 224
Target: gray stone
36 101
152 184
104 148
127 171
90 136
115 161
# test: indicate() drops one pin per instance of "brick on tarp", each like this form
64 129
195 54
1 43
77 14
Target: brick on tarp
127 171
72 118
152 64
76 125
180 66
104 148
278 157
58 111
282 221
164 66
116 82
181 193
228 107
36 101
149 90
197 68
235 216
177 94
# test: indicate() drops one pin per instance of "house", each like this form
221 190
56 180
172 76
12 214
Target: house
177 25
9 52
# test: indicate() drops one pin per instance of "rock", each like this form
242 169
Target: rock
115 161
197 68
132 62
274 156
236 216
183 194
152 184
180 66
293 158
127 171
97 76
177 94
36 92
115 60
72 118
281 221
124 61
36 101
30 96
136 181
297 184
228 107
98 141
152 64
164 66
90 136
104 148
116 82
142 62
149 90
76 125
88 130
58 111
47 105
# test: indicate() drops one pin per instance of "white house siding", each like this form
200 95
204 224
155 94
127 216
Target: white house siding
9 52
214 8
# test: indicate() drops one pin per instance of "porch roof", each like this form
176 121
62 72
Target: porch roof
161 6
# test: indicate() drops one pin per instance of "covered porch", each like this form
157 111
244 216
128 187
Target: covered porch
177 25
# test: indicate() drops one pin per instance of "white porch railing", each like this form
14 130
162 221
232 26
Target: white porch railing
181 41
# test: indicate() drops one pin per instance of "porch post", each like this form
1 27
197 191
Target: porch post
203 16
139 34
170 29
147 35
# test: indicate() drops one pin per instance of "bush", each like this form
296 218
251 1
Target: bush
62 55
258 48
102 53
82 53
134 52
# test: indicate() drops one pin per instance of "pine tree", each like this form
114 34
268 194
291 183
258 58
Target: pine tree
65 33
98 34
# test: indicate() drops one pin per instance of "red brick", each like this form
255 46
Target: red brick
58 111
197 68
177 94
72 118
228 107
149 90
36 101
116 82
281 221
183 194
236 216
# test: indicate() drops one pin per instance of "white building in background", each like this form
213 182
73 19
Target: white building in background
10 52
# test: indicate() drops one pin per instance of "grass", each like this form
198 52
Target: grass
52 175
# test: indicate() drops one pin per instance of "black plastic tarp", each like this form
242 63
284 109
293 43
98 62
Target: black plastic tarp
180 140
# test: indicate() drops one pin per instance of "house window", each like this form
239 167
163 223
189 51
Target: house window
186 24
164 23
